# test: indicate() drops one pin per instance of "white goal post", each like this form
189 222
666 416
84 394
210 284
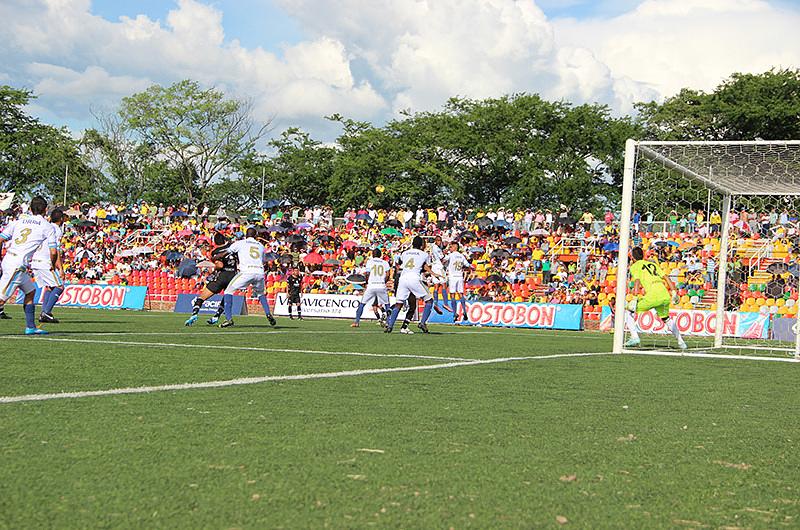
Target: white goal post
748 185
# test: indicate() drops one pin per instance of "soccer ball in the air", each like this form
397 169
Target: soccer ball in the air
379 188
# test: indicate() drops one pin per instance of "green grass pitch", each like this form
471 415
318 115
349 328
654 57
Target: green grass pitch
585 442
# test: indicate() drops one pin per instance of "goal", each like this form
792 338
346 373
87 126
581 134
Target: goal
720 220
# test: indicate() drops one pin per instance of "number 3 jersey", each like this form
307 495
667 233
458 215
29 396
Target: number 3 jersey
25 235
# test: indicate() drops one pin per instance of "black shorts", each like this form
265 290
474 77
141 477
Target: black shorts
220 281
293 297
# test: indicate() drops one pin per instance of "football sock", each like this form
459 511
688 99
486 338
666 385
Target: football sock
290 309
393 317
359 312
30 310
52 299
264 304
299 313
426 313
463 301
445 296
631 322
672 324
46 298
221 308
228 300
196 305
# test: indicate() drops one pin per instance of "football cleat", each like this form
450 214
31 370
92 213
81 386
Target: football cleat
354 325
291 317
464 318
226 324
35 331
213 320
448 308
299 317
272 321
632 343
190 321
3 316
48 319
436 308
387 329
682 345
423 327
406 331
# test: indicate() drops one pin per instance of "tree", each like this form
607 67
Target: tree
35 156
743 107
198 132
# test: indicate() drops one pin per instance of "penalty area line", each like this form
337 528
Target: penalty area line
276 378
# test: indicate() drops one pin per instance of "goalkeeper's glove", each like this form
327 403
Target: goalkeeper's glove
631 306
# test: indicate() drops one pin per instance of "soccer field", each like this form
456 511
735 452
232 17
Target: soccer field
465 427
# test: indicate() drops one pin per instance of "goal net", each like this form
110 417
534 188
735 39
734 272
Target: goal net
719 221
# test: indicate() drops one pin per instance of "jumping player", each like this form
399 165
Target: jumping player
456 264
378 269
224 271
412 263
250 255
25 235
657 288
49 276
437 280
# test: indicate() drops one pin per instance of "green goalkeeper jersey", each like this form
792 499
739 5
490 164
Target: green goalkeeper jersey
649 275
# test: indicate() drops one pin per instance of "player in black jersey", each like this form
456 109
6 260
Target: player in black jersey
224 271
294 283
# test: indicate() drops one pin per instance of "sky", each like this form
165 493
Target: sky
298 61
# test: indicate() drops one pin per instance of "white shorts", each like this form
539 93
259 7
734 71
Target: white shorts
437 268
242 280
47 278
456 285
377 293
413 286
15 276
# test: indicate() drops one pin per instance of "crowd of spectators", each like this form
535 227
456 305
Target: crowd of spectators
539 255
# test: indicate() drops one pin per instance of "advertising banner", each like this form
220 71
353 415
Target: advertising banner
186 301
519 315
785 329
97 296
701 323
324 305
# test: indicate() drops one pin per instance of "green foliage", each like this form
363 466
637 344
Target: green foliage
744 107
198 132
34 156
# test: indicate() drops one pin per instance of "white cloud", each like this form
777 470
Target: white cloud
672 44
368 58
75 60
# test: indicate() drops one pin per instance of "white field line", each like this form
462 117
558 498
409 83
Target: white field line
273 378
711 356
239 348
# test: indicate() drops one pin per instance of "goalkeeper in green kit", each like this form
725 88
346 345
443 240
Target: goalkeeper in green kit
657 288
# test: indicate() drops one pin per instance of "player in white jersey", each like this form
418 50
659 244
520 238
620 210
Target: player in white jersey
378 270
25 236
251 273
413 263
456 264
47 276
438 279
